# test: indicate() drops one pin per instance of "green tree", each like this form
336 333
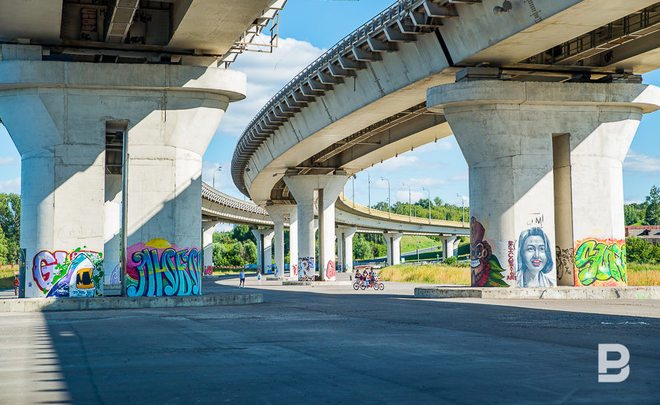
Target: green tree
361 248
638 250
10 223
653 209
249 252
4 249
632 214
241 233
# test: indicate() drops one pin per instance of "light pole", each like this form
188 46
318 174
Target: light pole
429 192
369 188
389 203
409 205
463 204
216 172
353 177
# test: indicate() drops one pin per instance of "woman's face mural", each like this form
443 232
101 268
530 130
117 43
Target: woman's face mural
534 254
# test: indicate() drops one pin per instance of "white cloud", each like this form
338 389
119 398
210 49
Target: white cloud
638 162
11 186
266 75
222 227
402 195
425 182
463 176
441 145
6 161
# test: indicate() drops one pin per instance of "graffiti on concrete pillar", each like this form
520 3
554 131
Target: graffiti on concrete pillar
159 268
294 270
600 263
564 262
512 261
330 270
306 269
114 275
78 273
535 263
486 268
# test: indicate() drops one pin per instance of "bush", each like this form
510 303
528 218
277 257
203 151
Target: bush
640 251
450 260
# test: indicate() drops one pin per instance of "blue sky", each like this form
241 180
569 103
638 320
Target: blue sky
307 29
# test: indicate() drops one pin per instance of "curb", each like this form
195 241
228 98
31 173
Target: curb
317 283
87 304
575 293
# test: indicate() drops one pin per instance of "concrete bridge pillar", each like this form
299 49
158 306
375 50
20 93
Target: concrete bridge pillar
546 189
449 246
207 242
345 247
264 248
324 189
393 241
280 214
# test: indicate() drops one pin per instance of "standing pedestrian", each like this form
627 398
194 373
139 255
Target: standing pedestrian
241 283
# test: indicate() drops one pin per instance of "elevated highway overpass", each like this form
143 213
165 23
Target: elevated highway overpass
350 218
541 69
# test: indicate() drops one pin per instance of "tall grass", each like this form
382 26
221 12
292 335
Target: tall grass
426 273
643 274
638 274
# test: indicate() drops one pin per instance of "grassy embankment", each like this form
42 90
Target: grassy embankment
7 276
638 274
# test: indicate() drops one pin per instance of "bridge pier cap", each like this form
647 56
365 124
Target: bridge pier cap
546 186
60 114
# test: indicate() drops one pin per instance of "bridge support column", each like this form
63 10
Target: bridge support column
393 241
77 124
545 176
345 247
280 213
264 248
327 189
207 242
448 246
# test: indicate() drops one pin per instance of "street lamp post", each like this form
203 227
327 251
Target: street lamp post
389 202
409 205
429 193
369 188
463 204
216 172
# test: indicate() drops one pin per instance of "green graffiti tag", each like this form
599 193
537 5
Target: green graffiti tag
600 263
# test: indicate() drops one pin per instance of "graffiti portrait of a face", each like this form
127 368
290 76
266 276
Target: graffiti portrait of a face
534 259
534 253
480 252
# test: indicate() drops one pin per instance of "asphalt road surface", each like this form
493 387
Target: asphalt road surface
332 345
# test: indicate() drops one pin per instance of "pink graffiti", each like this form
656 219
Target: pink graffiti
512 272
330 269
43 267
294 269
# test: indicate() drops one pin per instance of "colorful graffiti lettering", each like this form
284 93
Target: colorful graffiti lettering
306 269
600 263
330 270
486 268
69 274
114 275
294 270
208 270
512 261
564 262
159 268
535 265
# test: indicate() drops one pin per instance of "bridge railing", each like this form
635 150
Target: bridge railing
398 217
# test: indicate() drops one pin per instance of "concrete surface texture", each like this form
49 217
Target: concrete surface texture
281 214
509 133
368 347
393 242
59 114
